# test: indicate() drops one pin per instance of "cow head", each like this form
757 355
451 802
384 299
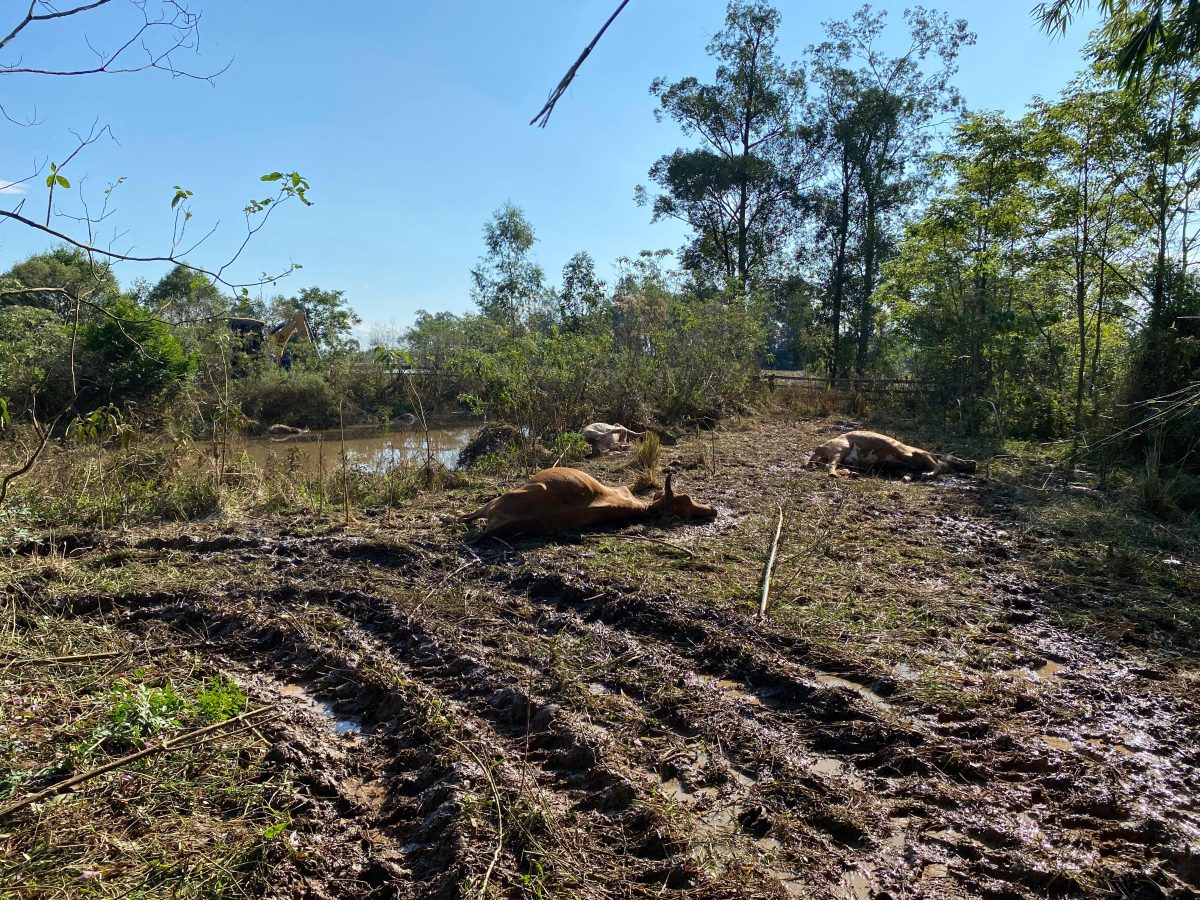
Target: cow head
667 503
956 464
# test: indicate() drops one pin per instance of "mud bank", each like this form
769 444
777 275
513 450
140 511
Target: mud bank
958 692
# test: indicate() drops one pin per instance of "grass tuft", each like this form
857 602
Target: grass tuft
648 452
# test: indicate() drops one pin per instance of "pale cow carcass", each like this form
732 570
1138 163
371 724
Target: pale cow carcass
601 436
564 499
289 430
872 451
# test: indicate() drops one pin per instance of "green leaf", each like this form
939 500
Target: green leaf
62 182
273 176
50 179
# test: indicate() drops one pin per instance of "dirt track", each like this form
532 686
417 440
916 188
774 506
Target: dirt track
603 717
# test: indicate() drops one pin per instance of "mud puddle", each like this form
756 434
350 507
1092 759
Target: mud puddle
368 448
836 681
341 724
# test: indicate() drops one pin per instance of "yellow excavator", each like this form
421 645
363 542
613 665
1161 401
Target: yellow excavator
273 341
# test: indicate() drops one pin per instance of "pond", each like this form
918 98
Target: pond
371 448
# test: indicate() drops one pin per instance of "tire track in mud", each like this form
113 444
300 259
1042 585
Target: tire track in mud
375 812
997 851
479 700
736 686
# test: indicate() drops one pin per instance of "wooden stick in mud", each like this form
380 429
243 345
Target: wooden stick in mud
107 654
345 474
179 742
770 564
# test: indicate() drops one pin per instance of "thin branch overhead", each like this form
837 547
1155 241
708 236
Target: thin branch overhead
157 39
543 116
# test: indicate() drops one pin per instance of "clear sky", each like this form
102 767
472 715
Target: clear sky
410 122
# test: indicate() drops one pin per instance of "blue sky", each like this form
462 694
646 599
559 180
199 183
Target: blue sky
410 122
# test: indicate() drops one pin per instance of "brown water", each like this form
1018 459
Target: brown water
369 448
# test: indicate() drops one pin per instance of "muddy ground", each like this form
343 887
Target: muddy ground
970 688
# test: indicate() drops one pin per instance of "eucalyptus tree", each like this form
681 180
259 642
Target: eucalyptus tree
581 295
883 115
507 285
738 190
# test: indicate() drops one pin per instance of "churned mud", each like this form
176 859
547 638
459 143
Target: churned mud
961 689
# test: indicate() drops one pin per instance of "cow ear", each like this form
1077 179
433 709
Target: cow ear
667 492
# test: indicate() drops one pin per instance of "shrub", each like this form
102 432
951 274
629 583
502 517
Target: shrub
140 712
132 356
568 448
301 399
220 699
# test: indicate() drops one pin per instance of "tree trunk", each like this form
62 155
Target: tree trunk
839 267
865 317
1081 256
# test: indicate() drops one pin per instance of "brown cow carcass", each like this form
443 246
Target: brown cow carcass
564 499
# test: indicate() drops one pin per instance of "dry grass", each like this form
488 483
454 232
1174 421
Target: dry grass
648 452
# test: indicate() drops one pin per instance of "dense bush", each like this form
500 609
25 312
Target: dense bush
131 356
34 359
300 399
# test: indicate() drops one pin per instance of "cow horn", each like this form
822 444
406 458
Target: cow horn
667 487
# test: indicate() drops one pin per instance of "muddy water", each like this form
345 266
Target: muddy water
368 448
340 724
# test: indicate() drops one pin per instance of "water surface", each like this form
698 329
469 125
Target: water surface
369 448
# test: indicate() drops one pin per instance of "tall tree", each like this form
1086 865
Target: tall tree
1079 197
884 113
582 292
738 190
507 284
185 296
53 280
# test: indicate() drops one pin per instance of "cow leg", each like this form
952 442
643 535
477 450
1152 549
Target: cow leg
838 458
484 512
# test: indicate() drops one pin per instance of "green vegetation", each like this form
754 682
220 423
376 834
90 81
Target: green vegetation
1042 295
315 685
197 821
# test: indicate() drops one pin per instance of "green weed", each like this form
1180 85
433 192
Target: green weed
220 699
139 712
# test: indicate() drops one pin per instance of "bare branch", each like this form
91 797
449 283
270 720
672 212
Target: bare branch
31 121
543 116
53 14
175 20
128 257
